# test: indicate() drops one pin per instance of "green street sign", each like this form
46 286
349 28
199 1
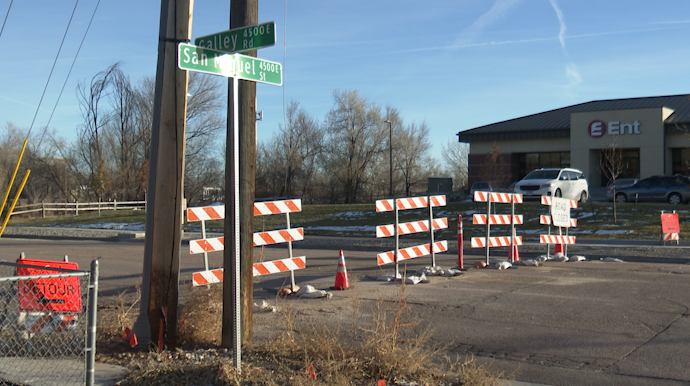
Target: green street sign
193 58
240 39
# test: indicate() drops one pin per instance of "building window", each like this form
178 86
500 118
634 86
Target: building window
530 161
681 161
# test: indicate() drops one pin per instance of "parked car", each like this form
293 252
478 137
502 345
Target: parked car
510 188
483 186
619 183
672 189
554 182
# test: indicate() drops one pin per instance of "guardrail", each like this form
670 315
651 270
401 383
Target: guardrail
77 207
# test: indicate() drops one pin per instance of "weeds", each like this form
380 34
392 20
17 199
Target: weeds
370 341
114 318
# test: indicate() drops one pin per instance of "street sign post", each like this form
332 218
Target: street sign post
193 58
240 39
235 66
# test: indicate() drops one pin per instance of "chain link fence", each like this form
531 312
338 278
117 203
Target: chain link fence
47 323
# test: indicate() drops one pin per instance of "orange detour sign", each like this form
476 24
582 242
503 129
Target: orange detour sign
55 294
670 228
669 223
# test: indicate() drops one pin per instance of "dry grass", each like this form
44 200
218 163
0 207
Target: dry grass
383 340
116 314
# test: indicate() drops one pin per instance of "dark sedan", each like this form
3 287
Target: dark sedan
672 189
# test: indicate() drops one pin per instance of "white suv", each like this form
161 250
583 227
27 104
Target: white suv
554 182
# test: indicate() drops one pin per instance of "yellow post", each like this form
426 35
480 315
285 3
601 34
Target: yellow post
9 187
14 202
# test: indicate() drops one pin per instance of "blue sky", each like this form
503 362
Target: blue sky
456 64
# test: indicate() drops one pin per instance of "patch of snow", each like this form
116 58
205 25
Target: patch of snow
361 228
612 231
110 225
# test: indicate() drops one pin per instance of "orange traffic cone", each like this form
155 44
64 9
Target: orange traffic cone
515 255
558 248
341 281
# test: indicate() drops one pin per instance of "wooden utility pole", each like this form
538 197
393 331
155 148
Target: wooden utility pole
242 13
165 194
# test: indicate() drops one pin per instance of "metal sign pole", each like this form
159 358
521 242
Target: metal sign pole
461 253
431 232
237 359
397 239
488 227
203 236
292 273
511 256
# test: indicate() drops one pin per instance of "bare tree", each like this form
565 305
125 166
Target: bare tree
412 157
495 168
355 135
611 166
92 97
295 148
52 177
455 154
11 140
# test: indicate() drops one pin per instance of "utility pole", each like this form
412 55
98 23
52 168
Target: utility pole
242 13
165 194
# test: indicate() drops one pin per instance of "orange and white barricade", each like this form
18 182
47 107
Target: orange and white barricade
287 235
422 226
670 228
488 219
559 209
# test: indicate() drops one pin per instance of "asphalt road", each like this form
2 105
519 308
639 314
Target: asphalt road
590 322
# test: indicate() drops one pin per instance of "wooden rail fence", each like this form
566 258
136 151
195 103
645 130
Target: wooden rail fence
77 207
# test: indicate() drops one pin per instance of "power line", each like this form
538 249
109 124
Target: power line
70 69
52 69
6 15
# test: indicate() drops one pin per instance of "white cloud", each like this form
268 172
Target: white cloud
496 13
573 74
561 20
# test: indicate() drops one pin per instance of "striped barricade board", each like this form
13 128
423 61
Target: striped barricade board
277 266
671 236
259 269
496 219
260 238
277 207
411 227
207 277
411 252
499 241
546 220
546 200
556 239
206 245
410 203
206 213
217 212
504 198
46 322
279 236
